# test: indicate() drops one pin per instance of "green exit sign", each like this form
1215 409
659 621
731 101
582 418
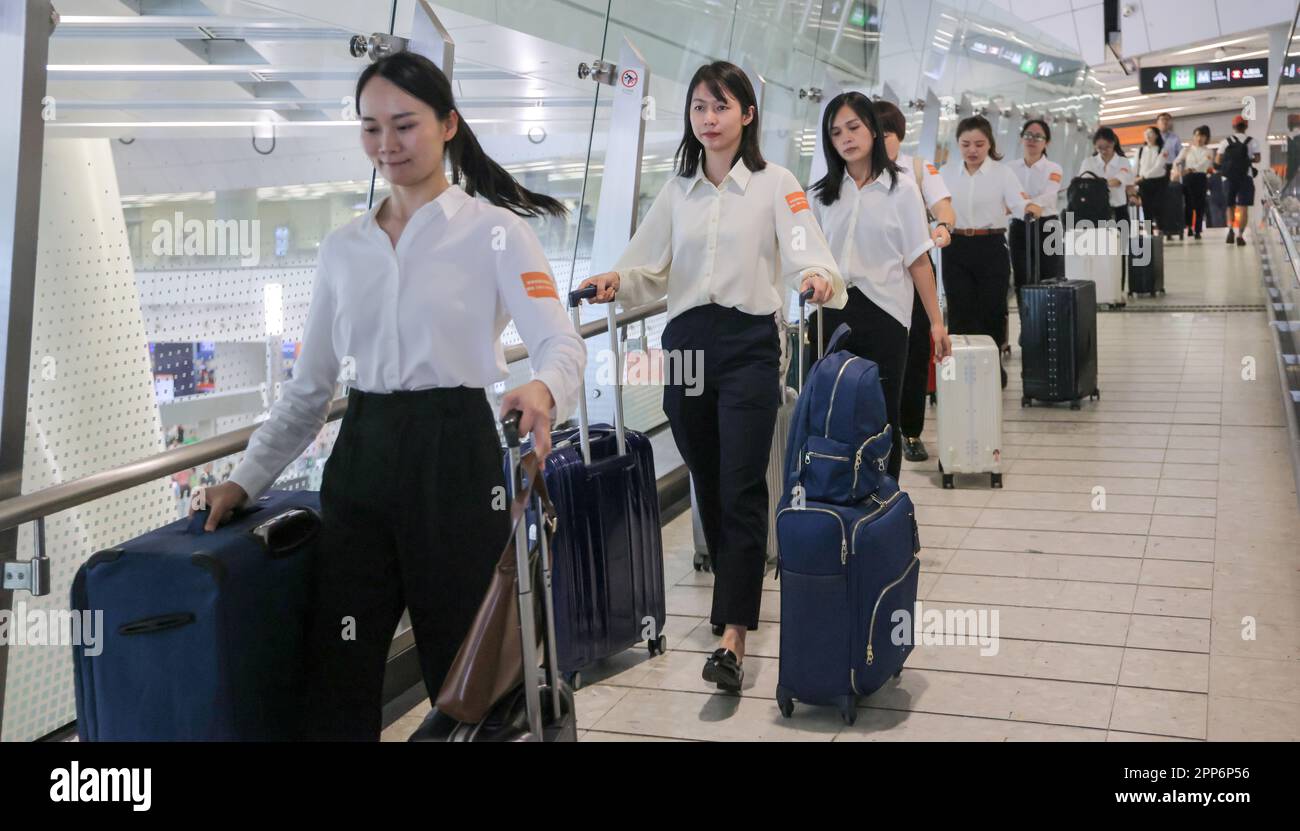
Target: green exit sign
858 17
1029 64
1184 77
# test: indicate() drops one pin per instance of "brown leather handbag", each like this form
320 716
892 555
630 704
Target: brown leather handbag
490 662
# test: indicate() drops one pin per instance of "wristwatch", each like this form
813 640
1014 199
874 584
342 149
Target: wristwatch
947 226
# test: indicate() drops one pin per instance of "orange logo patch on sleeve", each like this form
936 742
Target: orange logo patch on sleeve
539 284
1055 177
797 201
934 171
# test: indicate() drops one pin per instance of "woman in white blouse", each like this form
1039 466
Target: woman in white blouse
1040 177
408 305
1153 175
977 267
1192 167
870 210
726 240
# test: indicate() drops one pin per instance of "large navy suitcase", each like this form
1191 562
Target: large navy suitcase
202 631
1058 339
848 574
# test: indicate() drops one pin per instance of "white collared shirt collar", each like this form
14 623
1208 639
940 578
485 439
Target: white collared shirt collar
739 173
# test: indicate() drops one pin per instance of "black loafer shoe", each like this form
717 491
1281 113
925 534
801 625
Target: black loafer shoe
914 450
725 670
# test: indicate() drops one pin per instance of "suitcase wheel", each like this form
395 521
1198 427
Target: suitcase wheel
657 646
1026 401
848 709
1074 405
933 398
1096 395
995 480
574 680
947 481
786 704
703 562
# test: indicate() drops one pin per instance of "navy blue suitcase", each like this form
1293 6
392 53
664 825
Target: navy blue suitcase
845 572
608 571
203 631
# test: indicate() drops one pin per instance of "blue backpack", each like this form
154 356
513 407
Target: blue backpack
840 438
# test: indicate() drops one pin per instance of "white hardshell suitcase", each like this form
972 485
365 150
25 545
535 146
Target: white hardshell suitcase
1097 255
969 390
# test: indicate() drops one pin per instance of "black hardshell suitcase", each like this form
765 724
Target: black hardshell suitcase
1146 260
1058 337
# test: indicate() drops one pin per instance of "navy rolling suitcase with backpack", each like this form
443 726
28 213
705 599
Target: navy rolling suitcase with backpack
203 632
848 542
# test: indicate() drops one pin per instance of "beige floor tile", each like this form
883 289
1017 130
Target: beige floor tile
1162 600
1177 574
989 696
1118 736
1185 506
1183 526
941 536
877 725
1016 591
935 560
1196 488
1255 678
1093 522
1279 609
1048 467
1275 553
925 498
1114 485
1024 659
1053 625
1180 634
942 515
602 736
593 702
1045 566
1266 578
716 717
1180 548
1080 501
1096 454
1158 669
1201 472
1267 641
1244 719
1055 542
1159 711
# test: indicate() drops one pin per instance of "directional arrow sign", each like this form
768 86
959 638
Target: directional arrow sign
1161 79
1200 77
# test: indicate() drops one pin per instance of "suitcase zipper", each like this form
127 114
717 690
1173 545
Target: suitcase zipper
835 389
871 633
857 458
844 544
884 504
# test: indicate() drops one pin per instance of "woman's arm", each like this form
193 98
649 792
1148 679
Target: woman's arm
802 250
646 261
304 402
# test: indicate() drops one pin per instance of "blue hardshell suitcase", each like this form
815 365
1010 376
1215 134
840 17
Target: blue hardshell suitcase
203 632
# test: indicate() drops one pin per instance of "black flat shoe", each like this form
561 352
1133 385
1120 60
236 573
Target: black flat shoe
1241 240
725 670
914 450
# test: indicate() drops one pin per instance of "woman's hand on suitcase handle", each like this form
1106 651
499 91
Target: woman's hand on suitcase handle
606 287
1036 211
942 343
535 401
821 288
221 501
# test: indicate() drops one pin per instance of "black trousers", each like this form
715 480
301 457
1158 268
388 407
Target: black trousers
1152 192
724 434
412 517
976 278
1050 266
916 374
1196 189
878 337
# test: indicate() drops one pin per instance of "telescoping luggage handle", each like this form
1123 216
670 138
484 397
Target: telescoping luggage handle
804 297
584 427
1033 265
527 615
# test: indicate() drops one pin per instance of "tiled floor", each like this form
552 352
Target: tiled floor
1171 614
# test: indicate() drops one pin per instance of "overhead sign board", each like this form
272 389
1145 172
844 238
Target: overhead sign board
1201 77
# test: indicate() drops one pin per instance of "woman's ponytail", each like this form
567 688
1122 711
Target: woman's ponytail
421 77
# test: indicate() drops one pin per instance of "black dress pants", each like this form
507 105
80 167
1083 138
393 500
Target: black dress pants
878 337
723 428
1196 188
976 277
916 374
415 515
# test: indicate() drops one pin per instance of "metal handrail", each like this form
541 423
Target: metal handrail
30 507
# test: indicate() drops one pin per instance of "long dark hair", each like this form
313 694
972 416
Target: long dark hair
1160 140
827 188
418 76
1110 136
1047 132
721 77
981 124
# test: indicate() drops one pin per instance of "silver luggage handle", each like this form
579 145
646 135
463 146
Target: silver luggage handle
584 426
804 297
527 615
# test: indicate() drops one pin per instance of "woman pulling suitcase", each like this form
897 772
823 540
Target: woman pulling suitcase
976 267
870 210
1040 177
414 294
726 239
